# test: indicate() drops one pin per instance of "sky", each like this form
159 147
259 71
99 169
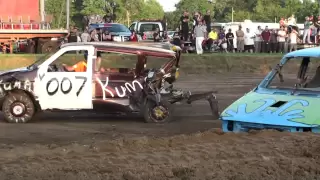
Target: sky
168 5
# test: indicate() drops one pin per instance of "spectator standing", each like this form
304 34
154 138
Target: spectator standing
240 39
221 35
134 36
200 33
274 41
293 40
318 30
156 35
258 40
281 39
230 37
73 34
281 22
85 36
184 20
249 41
306 31
195 19
94 36
266 35
287 40
207 19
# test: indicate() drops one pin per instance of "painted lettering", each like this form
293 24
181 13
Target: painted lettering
104 87
130 87
67 90
26 85
123 91
17 85
7 86
65 85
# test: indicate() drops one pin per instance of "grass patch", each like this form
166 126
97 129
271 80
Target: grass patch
190 63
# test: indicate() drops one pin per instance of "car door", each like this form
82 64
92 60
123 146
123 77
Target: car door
65 90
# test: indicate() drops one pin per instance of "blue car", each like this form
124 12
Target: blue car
281 102
118 32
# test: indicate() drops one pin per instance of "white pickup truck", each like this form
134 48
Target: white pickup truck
148 27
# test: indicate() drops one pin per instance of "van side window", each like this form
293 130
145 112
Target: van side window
148 27
131 28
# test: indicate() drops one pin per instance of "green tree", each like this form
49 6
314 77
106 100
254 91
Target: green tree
57 8
96 7
151 9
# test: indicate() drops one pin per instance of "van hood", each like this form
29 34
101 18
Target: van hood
22 69
282 110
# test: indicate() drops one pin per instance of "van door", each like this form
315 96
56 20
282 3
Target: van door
60 89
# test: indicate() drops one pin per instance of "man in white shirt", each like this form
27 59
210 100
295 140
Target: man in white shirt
282 39
200 33
293 40
258 40
249 41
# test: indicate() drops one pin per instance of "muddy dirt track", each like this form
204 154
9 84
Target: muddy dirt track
77 146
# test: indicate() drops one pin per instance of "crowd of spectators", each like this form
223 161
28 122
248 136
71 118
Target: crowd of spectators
261 40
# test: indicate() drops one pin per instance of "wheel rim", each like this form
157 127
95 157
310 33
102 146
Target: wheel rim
18 109
159 113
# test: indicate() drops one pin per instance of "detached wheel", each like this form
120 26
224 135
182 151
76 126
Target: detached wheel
158 114
18 108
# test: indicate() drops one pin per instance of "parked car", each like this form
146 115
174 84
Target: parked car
170 34
273 104
118 32
47 84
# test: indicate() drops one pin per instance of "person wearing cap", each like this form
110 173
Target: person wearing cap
240 39
230 37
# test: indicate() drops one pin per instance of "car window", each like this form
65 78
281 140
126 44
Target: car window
115 63
117 28
291 76
131 28
148 27
70 58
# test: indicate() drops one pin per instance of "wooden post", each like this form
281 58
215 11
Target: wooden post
11 47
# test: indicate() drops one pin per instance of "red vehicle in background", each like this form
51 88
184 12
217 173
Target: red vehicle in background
20 20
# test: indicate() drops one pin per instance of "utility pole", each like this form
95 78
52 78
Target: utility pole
42 10
233 12
68 13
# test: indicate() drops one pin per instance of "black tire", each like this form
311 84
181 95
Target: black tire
149 116
18 108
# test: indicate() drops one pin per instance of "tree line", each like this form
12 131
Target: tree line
255 10
127 11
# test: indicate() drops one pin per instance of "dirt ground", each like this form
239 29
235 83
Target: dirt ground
82 146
